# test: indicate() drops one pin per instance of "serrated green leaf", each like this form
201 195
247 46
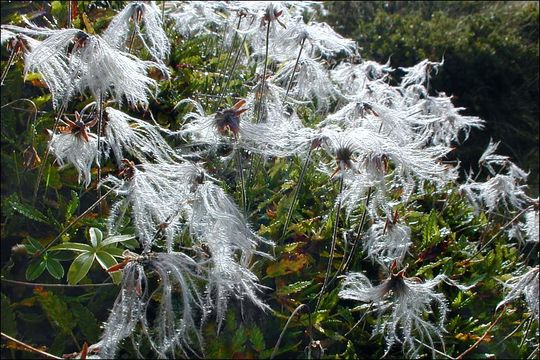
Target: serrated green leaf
57 310
55 268
80 267
116 239
293 288
96 236
239 338
106 260
27 210
86 322
7 316
35 269
257 339
73 247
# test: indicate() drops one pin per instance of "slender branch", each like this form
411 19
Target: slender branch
98 201
295 67
499 232
348 262
69 12
481 338
99 134
333 246
9 63
241 175
296 192
298 308
30 348
24 283
47 151
434 350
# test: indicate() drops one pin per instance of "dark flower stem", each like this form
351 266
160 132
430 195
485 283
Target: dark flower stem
241 176
298 308
263 81
296 192
69 11
8 66
333 246
295 67
345 264
47 151
98 201
99 134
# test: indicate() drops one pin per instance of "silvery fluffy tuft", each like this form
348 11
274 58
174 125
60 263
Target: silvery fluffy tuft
72 149
319 38
526 284
402 305
177 289
143 140
419 73
71 61
388 241
216 222
147 25
156 194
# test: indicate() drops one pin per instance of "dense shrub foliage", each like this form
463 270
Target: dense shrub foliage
234 180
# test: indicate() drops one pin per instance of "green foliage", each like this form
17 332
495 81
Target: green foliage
479 43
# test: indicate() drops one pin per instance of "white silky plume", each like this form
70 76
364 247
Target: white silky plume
149 31
72 149
401 304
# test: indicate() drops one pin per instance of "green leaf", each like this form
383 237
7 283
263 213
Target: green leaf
33 245
95 236
55 268
256 338
116 239
114 251
26 210
35 269
73 247
57 310
80 267
7 316
293 288
72 205
106 260
86 321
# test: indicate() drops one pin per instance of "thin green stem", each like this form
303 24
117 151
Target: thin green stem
98 201
296 192
295 67
241 175
298 308
8 66
345 265
99 134
47 151
333 246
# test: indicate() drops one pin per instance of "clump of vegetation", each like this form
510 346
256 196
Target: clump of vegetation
232 180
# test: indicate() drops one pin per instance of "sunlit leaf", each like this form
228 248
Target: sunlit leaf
80 267
54 268
95 236
35 269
